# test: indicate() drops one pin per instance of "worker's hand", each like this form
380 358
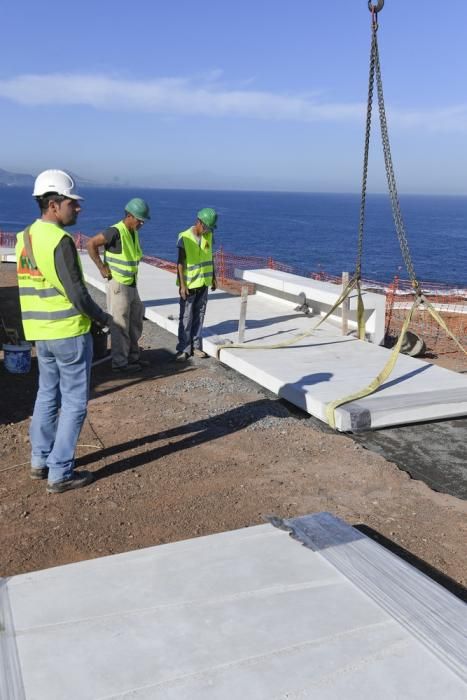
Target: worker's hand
214 285
106 273
184 292
104 323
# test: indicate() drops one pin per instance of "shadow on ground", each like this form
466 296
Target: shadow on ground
419 564
193 434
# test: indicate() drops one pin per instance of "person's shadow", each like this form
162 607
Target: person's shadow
193 434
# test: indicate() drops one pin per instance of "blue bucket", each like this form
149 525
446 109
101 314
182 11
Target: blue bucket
17 358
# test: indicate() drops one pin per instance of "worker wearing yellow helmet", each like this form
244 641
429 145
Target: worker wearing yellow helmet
120 267
195 274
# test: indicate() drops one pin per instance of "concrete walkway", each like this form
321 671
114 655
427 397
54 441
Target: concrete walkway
317 369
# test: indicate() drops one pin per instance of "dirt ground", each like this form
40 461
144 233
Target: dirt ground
182 451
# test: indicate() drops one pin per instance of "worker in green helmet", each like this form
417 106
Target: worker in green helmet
195 274
120 267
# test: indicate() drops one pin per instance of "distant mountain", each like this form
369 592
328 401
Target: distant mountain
84 181
9 179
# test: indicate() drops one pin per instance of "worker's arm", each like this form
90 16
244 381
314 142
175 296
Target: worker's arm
93 246
181 263
70 275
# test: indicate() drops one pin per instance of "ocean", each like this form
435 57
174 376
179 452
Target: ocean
309 231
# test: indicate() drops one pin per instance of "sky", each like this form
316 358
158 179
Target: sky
251 94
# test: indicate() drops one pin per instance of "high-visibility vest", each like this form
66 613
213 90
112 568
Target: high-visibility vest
199 267
46 311
124 265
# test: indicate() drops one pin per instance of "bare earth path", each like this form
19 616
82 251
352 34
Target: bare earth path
185 451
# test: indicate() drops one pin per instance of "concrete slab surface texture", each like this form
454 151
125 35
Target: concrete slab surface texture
315 370
245 614
7 255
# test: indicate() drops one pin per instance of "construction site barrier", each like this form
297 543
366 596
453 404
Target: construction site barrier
449 301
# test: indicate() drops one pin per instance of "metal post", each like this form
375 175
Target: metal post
345 305
242 319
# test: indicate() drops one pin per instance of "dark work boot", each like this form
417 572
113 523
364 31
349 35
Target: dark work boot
38 472
77 481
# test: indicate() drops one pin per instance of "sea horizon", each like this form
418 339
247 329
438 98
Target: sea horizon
311 231
90 185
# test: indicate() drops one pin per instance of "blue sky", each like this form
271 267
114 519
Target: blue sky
257 94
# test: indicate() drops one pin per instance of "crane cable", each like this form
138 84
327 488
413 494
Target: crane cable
419 297
355 281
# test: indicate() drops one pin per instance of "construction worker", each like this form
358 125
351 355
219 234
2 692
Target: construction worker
120 266
195 273
56 311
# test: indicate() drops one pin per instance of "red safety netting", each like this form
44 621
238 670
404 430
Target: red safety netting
7 240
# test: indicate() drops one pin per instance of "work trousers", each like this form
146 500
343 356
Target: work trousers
61 403
127 311
190 326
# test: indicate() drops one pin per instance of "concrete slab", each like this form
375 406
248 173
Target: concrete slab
243 614
316 370
321 297
7 255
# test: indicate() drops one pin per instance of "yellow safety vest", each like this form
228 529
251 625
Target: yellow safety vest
124 265
199 267
46 311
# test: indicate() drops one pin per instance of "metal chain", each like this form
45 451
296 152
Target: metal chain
391 178
371 80
375 69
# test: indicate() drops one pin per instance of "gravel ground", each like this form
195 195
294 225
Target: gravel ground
181 451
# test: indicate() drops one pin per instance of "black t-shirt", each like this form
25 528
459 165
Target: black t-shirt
113 242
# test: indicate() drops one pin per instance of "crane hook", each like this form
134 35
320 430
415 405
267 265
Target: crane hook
376 8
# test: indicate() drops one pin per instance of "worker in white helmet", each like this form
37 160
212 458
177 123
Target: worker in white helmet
57 311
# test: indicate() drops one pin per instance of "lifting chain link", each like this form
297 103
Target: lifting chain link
376 8
375 70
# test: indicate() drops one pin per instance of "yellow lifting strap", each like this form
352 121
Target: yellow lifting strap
382 376
389 366
354 282
442 323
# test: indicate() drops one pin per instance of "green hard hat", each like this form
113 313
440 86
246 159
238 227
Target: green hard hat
139 208
208 216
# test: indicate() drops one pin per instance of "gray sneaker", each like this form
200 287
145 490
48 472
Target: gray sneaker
77 481
181 357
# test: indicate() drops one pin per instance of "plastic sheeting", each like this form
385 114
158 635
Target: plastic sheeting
245 614
11 684
435 616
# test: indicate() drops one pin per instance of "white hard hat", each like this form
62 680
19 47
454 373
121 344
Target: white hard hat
56 181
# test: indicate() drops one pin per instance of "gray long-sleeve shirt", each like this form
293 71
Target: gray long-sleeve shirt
70 275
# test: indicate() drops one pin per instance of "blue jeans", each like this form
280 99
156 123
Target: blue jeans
64 375
190 326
